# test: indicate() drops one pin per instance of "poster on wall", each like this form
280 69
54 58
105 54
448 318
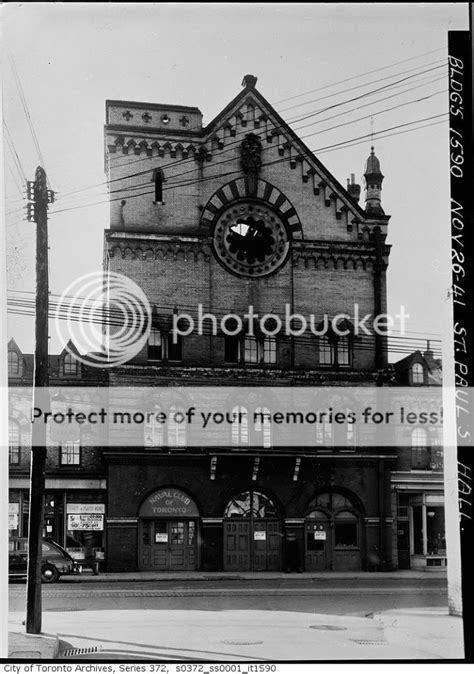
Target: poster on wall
89 522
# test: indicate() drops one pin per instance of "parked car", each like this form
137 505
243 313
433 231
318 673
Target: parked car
55 562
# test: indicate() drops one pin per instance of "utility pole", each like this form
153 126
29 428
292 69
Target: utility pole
39 197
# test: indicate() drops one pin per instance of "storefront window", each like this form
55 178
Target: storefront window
435 531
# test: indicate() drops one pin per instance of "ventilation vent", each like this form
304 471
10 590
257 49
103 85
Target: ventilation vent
370 642
72 652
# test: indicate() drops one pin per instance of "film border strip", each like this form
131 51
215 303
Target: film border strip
462 252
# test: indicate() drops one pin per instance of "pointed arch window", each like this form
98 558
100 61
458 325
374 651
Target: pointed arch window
240 426
70 364
263 427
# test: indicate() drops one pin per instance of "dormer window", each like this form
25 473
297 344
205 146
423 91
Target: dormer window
13 363
70 365
417 374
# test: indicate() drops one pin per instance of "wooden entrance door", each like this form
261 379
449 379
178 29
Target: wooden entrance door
252 545
168 545
252 533
317 543
332 535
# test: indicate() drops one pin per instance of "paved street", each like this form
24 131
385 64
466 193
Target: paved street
295 617
332 595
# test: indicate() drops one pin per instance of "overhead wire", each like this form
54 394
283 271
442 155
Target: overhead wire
365 343
228 148
358 86
173 185
26 110
189 160
353 77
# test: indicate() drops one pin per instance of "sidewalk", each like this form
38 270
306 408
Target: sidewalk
144 576
239 635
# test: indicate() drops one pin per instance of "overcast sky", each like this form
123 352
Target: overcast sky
71 57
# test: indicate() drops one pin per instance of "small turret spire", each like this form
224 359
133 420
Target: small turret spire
373 185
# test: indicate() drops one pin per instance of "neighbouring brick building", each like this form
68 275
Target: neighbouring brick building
234 214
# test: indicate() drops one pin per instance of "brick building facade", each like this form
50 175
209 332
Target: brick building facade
237 214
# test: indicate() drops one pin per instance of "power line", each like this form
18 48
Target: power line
359 106
369 72
192 159
388 135
172 185
26 111
16 158
357 98
359 86
88 309
301 137
362 344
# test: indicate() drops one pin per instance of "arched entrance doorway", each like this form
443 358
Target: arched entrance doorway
332 534
252 533
168 532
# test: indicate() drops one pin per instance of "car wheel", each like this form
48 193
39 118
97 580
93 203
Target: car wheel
49 574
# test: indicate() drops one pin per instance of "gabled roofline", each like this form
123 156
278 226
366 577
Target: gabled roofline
286 128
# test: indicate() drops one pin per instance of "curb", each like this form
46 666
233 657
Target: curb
127 576
23 646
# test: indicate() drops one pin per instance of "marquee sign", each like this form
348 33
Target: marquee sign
169 503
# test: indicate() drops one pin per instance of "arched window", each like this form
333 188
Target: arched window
70 364
240 426
154 429
13 442
251 504
345 433
158 179
263 426
176 427
417 373
324 434
420 452
13 363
